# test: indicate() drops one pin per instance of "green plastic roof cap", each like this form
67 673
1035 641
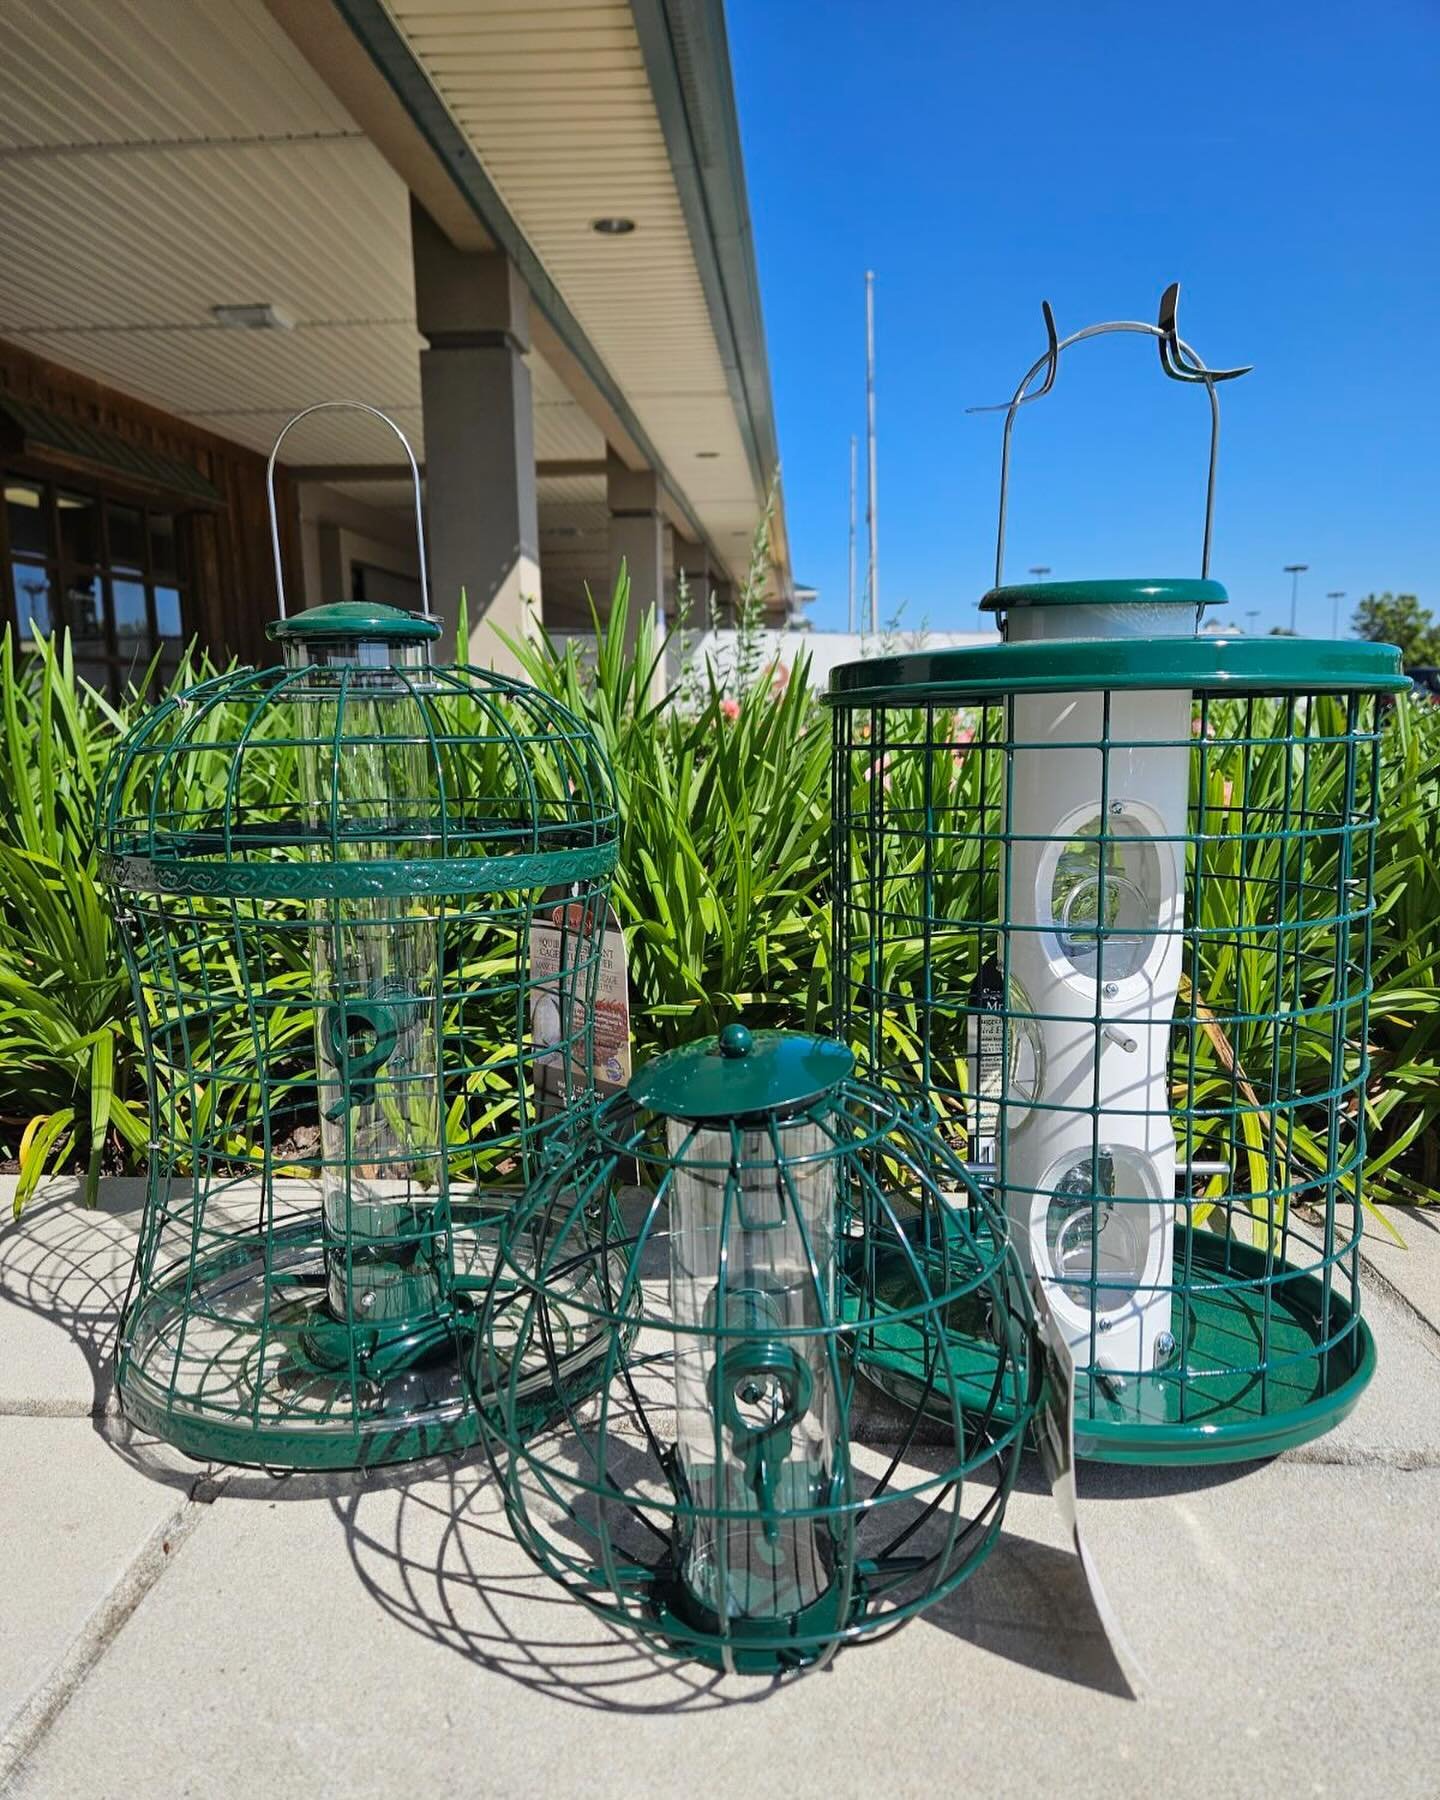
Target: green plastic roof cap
742 1075
1216 665
1139 592
357 621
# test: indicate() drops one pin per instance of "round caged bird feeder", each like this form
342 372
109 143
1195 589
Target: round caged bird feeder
1105 891
327 874
725 1494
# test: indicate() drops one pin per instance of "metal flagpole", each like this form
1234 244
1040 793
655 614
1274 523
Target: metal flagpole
872 512
850 615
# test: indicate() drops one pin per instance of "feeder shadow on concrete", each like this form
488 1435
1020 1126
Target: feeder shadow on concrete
66 1266
436 1554
1029 1603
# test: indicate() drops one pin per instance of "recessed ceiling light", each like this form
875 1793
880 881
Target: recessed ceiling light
253 315
613 227
706 455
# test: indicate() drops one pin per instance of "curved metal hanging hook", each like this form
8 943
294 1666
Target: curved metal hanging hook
385 419
1173 351
1179 360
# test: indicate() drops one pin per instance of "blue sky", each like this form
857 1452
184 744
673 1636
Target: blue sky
1281 161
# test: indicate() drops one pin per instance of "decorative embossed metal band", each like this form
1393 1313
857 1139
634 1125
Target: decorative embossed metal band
354 880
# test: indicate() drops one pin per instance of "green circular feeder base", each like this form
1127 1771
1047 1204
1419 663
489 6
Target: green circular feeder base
756 1646
1254 1376
240 1359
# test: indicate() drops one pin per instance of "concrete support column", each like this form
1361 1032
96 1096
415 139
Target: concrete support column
638 536
482 517
693 562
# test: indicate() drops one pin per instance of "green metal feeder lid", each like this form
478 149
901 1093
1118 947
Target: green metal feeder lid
1141 592
742 1075
356 620
1205 665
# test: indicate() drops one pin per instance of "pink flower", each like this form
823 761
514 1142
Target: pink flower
730 709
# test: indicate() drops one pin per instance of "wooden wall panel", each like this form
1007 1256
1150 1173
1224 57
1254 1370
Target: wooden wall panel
234 580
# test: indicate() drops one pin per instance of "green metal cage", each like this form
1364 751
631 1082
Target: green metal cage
729 1493
1105 891
330 877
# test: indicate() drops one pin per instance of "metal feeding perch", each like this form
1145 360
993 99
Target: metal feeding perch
1105 890
718 1495
326 875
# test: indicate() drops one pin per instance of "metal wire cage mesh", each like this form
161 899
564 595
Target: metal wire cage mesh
729 1493
1109 903
362 901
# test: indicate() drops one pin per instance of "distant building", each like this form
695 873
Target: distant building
805 598
825 650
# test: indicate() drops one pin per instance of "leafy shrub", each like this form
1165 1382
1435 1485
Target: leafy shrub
723 888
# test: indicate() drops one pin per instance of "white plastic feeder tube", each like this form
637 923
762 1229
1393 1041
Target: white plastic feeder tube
1090 1169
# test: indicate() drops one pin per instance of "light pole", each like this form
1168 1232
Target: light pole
1040 570
1252 615
872 505
1335 596
1294 571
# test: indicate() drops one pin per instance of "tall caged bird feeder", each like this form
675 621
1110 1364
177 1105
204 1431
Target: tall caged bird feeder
726 1494
1105 890
326 875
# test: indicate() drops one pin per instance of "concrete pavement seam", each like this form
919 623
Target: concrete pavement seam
24 1733
1402 1462
1400 1297
59 1409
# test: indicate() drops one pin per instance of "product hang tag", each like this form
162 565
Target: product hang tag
985 1034
1055 1438
580 990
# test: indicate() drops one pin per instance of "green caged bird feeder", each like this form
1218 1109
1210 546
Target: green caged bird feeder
1105 891
327 876
727 1494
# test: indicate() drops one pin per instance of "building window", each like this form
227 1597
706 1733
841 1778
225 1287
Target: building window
110 570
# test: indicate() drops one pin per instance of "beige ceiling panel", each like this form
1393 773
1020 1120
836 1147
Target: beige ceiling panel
319 229
558 491
556 102
159 157
142 71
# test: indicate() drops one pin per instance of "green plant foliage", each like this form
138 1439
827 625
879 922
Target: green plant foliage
723 889
723 881
1400 619
69 1050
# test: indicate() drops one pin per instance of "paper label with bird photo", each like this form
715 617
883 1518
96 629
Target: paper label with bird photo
562 955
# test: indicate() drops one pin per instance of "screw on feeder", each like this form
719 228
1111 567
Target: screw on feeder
722 1509
1192 1343
307 968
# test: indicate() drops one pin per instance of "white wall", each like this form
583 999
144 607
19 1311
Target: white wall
826 649
337 531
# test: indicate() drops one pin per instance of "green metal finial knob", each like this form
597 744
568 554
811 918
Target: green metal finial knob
735 1040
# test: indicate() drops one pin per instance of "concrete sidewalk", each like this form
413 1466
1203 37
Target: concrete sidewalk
170 1630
